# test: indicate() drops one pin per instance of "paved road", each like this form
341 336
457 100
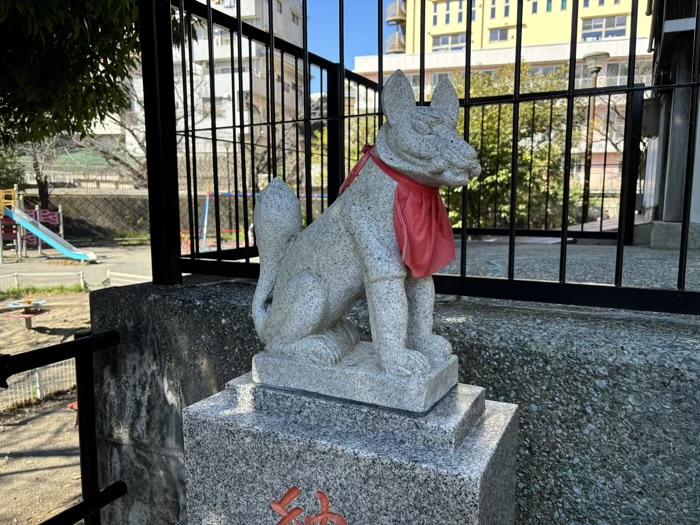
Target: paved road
125 259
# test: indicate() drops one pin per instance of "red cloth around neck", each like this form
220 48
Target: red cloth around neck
423 228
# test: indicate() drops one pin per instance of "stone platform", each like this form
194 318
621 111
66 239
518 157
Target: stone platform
358 377
250 445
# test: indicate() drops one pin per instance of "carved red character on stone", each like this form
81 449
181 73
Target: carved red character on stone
289 517
326 517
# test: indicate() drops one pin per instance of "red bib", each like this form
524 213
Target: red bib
423 228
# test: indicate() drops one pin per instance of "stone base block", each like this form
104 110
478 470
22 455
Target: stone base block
667 235
250 445
359 377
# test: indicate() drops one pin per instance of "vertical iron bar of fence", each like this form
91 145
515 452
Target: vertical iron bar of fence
307 115
570 99
380 60
690 161
481 157
605 163
498 167
234 140
323 128
283 117
161 139
89 476
251 126
421 76
335 130
532 161
183 64
630 161
549 164
340 76
296 124
272 121
585 199
212 112
515 158
190 59
241 128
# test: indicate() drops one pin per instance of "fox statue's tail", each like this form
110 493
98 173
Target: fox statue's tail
277 220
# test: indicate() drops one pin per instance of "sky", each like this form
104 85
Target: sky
360 29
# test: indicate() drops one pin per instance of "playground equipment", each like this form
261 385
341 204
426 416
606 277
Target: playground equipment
26 309
16 221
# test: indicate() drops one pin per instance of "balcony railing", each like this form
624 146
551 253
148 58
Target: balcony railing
396 43
396 13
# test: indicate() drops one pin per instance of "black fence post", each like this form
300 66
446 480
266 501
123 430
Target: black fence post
336 163
630 165
161 141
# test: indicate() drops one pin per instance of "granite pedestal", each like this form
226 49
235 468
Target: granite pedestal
359 376
249 445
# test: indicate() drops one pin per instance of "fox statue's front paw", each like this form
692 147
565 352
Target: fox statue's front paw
435 347
404 362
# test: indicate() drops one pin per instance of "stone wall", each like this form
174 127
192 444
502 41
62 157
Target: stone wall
610 401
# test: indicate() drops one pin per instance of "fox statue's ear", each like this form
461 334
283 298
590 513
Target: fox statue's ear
445 98
397 97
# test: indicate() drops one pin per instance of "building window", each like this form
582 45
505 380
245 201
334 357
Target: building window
437 77
506 9
615 74
534 7
498 35
493 8
473 10
447 12
279 6
460 17
604 27
435 15
295 19
563 5
549 6
220 104
454 42
601 2
586 3
544 71
616 2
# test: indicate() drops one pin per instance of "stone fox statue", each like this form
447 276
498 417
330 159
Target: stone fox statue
310 278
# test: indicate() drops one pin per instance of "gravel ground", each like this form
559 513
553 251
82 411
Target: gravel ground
39 462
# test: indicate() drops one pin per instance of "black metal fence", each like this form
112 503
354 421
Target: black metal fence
294 114
81 349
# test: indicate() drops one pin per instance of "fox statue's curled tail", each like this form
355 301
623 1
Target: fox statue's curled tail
277 220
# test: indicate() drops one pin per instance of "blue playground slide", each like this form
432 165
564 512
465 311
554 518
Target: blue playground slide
48 236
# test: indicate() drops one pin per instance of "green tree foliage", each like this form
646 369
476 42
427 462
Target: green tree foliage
541 143
64 64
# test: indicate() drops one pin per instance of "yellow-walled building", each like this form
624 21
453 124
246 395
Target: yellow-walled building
494 22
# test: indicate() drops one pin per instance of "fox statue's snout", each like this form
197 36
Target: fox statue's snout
423 141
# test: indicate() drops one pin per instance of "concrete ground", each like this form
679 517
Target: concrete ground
124 259
39 462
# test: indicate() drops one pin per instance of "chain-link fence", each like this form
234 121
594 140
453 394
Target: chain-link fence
38 383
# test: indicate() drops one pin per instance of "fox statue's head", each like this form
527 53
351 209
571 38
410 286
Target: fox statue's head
422 142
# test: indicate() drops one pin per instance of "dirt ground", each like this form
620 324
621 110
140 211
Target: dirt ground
39 456
39 462
67 313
